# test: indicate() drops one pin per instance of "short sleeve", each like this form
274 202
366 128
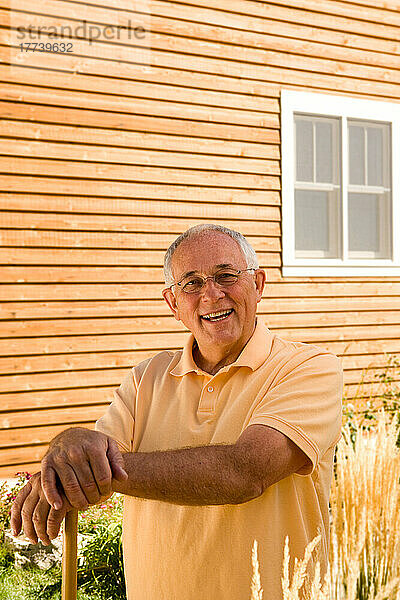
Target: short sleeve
305 404
119 419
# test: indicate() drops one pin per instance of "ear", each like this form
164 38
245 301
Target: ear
170 299
260 280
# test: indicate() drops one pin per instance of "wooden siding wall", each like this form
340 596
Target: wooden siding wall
101 169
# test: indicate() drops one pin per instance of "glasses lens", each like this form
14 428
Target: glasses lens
226 278
192 284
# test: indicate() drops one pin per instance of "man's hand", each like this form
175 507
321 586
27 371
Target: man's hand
84 463
33 513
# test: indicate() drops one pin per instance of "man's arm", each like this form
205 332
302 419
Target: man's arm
218 474
214 474
204 475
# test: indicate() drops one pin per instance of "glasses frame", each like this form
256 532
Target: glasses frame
237 271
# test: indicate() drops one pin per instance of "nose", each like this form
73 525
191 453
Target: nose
211 291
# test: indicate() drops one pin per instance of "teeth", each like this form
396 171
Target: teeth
221 313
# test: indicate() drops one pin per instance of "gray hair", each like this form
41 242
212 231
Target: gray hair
247 249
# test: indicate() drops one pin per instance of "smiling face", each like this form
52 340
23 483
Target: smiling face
222 337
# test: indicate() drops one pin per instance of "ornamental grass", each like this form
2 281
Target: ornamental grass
364 551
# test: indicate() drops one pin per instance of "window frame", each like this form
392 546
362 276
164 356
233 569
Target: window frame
343 108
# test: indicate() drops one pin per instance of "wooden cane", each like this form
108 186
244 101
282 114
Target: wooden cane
69 557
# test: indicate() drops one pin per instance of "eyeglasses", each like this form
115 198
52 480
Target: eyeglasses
194 283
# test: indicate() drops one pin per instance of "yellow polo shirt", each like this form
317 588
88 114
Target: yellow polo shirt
175 552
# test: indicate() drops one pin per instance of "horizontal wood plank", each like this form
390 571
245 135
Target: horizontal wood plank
117 240
12 459
56 345
110 172
115 258
38 435
128 223
65 187
142 140
140 106
156 107
139 123
105 325
49 381
18 423
344 14
156 308
86 153
10 471
368 391
56 398
220 208
161 324
111 87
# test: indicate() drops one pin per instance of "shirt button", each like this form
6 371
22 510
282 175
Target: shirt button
210 388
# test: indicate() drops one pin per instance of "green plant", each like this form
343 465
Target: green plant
100 560
101 566
34 584
391 392
353 422
7 497
47 586
6 557
108 512
388 397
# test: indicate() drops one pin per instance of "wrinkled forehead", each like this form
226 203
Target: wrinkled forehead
205 252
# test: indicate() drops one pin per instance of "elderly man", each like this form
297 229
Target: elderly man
227 441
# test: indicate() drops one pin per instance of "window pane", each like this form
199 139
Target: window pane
312 220
304 150
356 155
375 156
364 223
324 152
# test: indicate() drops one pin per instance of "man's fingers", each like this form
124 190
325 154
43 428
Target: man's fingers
88 481
49 485
27 517
39 520
32 512
116 461
54 520
70 486
102 473
16 517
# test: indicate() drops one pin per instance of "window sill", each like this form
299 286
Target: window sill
340 271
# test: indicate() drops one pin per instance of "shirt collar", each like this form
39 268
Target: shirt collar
253 354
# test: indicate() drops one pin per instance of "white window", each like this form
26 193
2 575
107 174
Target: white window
340 188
